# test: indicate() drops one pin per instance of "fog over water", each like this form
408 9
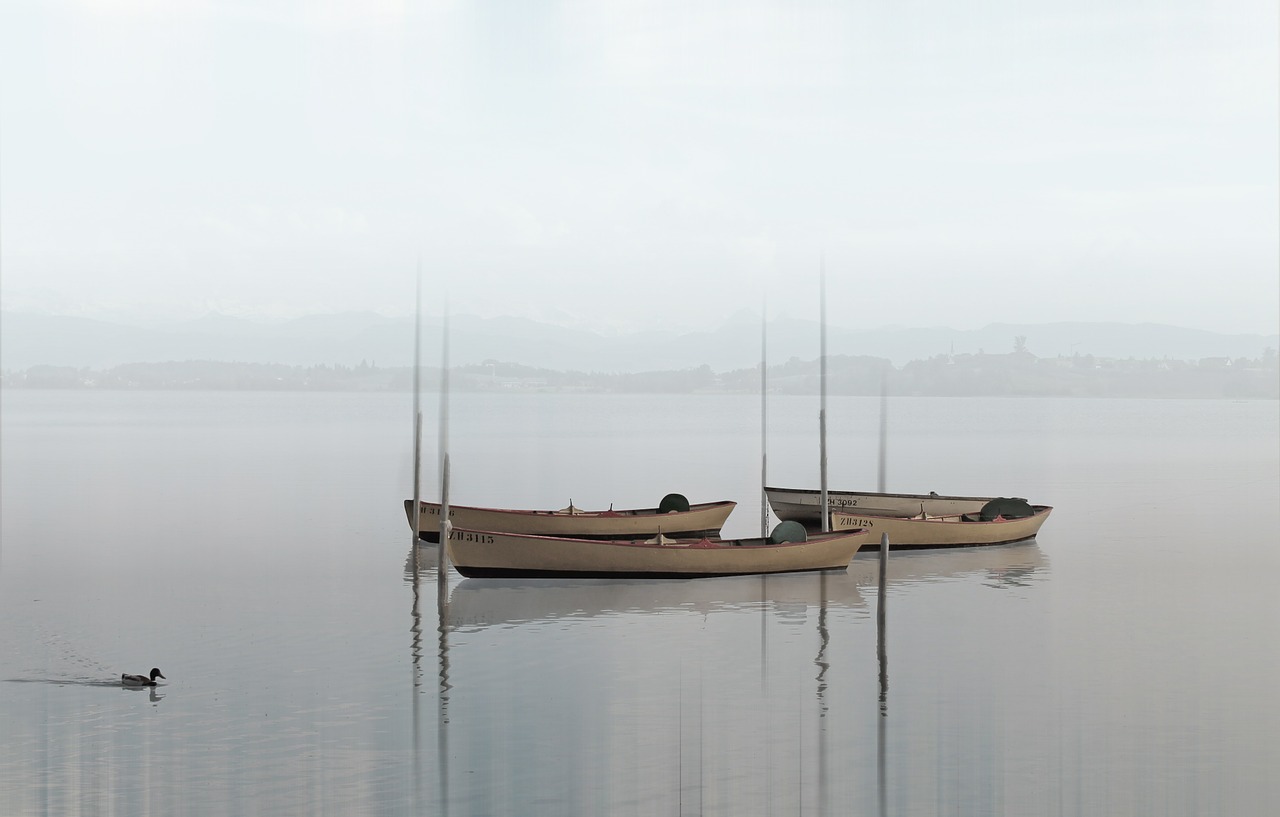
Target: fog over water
254 547
628 187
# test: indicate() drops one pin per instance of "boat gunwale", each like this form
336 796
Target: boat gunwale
948 519
814 492
682 543
580 514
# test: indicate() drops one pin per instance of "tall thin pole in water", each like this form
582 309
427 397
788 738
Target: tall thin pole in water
881 760
822 386
415 626
764 425
442 573
417 423
884 427
880 611
880 607
442 563
884 446
826 526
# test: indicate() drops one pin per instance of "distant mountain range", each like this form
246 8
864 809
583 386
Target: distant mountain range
348 339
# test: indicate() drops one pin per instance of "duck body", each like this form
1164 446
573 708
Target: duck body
142 680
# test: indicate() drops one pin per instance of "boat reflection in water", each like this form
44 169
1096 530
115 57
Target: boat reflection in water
738 694
486 602
1012 565
478 603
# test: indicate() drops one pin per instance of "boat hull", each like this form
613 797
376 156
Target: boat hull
493 554
700 520
941 532
804 505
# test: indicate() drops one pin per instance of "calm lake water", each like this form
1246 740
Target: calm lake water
254 547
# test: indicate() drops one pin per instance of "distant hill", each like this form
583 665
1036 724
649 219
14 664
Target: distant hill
349 339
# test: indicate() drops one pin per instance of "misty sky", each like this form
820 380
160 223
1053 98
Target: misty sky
644 164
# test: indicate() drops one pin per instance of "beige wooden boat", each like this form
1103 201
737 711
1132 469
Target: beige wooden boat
951 530
803 505
705 519
478 603
491 554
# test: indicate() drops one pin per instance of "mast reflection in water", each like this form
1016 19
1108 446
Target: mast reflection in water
583 693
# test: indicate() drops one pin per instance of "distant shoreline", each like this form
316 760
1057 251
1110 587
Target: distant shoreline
1017 374
354 339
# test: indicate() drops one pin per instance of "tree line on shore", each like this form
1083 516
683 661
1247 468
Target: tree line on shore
1019 373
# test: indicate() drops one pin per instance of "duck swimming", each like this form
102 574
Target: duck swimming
142 680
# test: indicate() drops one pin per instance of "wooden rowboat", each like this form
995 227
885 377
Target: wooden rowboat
952 530
705 519
492 554
802 504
